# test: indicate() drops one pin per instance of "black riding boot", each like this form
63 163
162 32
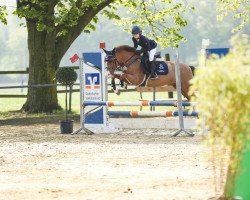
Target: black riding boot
153 75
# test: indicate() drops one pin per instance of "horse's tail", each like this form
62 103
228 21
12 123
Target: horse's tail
192 68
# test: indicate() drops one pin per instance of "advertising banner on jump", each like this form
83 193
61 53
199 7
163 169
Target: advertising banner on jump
92 89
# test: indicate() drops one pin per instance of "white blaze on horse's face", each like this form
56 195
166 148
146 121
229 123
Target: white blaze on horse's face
108 74
110 66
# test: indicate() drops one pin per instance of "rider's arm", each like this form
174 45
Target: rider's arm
135 43
145 44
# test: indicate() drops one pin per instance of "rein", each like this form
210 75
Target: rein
127 63
123 66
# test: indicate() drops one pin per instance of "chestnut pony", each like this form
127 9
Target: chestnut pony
125 59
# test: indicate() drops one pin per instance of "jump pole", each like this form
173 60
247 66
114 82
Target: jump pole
135 103
179 98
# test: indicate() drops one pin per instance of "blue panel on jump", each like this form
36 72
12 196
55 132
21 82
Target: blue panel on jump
92 86
95 117
218 51
115 113
93 58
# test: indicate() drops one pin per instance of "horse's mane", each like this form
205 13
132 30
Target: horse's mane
125 48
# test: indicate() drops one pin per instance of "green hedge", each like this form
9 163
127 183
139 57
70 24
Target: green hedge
222 90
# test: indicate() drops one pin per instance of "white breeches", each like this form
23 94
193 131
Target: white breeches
151 54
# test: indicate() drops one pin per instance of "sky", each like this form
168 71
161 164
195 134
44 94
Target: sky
8 2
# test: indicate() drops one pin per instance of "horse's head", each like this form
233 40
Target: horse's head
119 56
111 61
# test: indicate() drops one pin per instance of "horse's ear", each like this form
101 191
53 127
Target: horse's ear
108 52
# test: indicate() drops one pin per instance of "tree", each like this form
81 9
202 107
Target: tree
3 14
54 25
240 10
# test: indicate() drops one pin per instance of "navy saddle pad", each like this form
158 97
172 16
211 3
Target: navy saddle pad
161 68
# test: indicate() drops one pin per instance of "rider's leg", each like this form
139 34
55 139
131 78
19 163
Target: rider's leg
153 75
151 53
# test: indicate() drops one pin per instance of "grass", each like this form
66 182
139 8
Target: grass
8 106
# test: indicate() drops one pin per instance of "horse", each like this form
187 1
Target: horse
126 59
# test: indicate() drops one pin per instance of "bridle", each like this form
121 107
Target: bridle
121 66
114 64
130 61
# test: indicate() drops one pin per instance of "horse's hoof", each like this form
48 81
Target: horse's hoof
118 92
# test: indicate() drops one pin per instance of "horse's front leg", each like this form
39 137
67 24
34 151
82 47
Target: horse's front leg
123 83
113 85
123 80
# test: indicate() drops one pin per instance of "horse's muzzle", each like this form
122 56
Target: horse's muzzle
109 74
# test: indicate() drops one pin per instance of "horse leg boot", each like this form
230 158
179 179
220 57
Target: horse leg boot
153 75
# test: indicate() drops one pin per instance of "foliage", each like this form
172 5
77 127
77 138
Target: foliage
66 75
162 19
3 14
50 15
240 9
223 94
14 51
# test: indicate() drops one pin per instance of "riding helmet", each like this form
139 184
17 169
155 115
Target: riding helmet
136 30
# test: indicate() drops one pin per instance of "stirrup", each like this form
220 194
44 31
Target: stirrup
153 76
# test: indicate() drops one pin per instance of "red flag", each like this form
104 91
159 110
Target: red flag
74 58
102 45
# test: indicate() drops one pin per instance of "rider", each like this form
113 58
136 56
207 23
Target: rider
147 45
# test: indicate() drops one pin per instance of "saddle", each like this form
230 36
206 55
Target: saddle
161 68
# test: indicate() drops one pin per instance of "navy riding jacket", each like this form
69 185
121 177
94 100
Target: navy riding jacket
145 43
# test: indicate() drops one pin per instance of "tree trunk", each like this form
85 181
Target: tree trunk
43 63
46 50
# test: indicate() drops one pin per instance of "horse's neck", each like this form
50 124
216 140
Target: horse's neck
135 68
129 59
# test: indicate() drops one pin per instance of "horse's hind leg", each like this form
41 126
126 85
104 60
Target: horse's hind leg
184 91
185 94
